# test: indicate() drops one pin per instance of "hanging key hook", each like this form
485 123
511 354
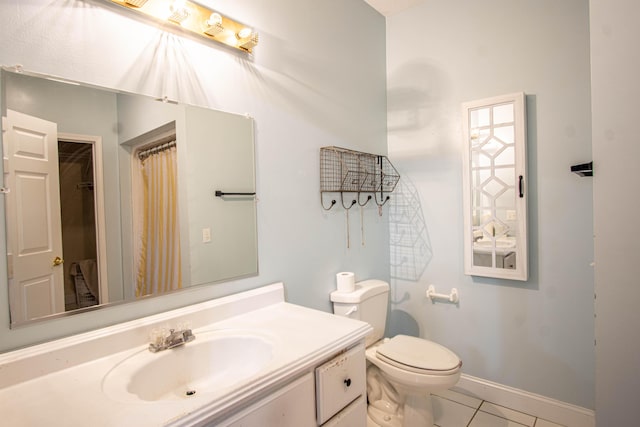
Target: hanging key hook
353 202
383 202
333 202
367 201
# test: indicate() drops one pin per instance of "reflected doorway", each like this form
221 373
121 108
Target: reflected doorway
78 218
83 220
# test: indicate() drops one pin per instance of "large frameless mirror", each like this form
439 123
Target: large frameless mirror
111 197
494 181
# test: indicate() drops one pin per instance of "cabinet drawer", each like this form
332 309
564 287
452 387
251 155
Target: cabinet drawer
354 415
340 381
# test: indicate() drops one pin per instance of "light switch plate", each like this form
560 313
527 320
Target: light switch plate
206 235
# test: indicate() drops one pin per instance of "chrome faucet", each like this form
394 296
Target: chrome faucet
174 339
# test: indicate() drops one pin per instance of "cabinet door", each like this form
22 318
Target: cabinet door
291 406
494 187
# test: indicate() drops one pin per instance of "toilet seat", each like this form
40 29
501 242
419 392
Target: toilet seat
418 355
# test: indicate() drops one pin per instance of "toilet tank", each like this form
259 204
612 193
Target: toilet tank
367 302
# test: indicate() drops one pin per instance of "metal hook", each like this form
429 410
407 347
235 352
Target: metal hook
333 202
353 202
384 202
363 204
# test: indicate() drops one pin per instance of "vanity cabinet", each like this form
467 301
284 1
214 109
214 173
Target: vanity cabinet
291 406
334 397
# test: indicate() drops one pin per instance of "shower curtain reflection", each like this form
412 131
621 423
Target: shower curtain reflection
158 252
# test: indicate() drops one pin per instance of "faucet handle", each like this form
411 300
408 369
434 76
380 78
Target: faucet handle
157 336
188 336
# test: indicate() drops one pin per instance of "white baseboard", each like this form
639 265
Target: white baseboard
549 409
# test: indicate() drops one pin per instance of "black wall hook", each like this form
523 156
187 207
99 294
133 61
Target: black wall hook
333 202
366 201
384 201
353 202
348 171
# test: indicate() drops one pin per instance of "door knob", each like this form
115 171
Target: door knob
57 261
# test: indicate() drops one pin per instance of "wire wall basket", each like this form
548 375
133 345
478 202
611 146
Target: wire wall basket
349 171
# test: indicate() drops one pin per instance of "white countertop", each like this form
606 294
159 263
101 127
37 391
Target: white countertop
71 394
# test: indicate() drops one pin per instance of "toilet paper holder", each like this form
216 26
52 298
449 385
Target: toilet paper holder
451 297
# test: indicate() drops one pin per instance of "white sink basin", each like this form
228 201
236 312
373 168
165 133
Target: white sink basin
210 364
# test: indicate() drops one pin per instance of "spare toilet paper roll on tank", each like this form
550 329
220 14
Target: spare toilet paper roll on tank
346 281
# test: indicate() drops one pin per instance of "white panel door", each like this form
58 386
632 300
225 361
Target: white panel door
33 217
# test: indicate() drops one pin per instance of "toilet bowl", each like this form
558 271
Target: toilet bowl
402 371
415 368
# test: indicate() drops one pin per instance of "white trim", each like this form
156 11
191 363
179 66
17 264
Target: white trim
549 409
98 193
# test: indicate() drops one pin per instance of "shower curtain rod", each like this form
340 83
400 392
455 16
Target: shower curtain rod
143 154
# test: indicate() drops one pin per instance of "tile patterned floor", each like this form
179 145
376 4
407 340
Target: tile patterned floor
453 409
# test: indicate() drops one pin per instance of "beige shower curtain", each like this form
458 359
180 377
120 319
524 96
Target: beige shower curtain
159 241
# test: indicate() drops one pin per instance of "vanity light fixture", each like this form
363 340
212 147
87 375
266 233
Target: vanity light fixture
179 12
196 19
135 3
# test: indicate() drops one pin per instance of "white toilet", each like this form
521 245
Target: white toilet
402 371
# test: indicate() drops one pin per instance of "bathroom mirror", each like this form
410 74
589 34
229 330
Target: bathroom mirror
83 227
494 187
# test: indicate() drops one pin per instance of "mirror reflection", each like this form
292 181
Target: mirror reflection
494 165
493 185
110 197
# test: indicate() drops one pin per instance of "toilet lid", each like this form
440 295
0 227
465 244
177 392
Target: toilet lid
418 353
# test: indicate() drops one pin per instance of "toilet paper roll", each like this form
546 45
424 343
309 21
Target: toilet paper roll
346 281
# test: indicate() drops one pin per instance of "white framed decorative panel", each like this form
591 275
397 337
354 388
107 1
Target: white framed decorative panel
494 181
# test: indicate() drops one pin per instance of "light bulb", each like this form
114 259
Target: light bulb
214 19
214 25
244 33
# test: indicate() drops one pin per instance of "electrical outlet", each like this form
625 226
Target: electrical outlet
206 235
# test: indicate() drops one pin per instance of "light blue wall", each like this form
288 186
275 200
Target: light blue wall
314 81
536 335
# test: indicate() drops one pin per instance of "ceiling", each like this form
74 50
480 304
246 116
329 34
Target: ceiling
389 7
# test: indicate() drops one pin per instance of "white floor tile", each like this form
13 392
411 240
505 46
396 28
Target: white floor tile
447 413
483 419
509 414
464 399
544 423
